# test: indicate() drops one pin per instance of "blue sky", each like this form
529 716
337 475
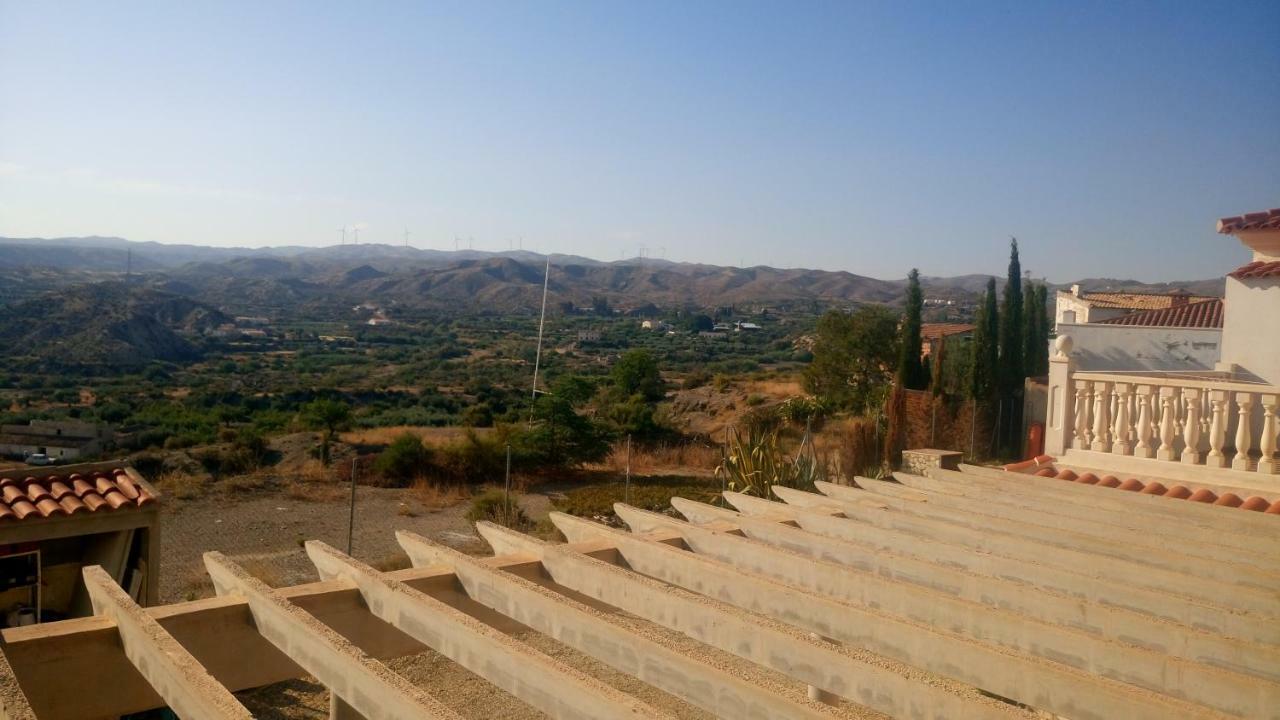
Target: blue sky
859 136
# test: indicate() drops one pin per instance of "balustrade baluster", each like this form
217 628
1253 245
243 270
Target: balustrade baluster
1101 417
1167 411
1191 427
1144 448
1217 429
1244 432
1083 405
1121 433
1268 464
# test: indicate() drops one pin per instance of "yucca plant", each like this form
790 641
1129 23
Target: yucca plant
755 461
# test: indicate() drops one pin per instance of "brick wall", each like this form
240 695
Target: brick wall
944 423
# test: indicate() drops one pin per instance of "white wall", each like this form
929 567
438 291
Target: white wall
1251 328
1115 348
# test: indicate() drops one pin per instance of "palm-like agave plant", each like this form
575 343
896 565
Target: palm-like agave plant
753 463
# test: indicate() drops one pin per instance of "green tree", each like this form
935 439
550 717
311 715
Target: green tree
1035 333
327 415
853 355
560 436
636 372
404 459
986 351
1012 370
911 372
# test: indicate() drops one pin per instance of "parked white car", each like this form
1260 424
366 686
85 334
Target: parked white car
40 459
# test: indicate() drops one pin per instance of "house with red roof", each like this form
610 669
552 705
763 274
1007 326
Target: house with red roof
55 521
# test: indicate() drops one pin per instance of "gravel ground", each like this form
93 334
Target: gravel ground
264 530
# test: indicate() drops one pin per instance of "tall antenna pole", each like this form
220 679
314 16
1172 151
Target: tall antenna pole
537 356
406 237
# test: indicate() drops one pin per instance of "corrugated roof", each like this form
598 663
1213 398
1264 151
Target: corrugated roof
1265 220
54 495
1256 269
1206 314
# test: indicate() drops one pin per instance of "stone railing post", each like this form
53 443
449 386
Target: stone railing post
1244 432
1121 433
1084 402
1191 427
1144 448
1167 411
1217 429
1101 416
1060 417
1268 464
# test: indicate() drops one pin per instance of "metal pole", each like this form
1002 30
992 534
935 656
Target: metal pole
351 519
626 492
537 357
506 488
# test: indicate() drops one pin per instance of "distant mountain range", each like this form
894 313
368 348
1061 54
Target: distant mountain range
266 279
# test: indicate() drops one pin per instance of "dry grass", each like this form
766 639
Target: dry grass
429 435
667 458
316 490
180 485
434 496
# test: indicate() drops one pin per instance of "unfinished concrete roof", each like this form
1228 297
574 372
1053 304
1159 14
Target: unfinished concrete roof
902 597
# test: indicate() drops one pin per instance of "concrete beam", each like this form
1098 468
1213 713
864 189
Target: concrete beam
177 677
1122 545
589 631
1071 508
1062 517
822 518
1030 680
1178 511
1227 691
1101 620
368 686
766 642
544 683
1260 602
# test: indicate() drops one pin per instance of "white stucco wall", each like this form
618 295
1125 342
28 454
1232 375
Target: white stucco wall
1116 348
1251 328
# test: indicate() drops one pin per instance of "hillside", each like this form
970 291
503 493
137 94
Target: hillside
105 324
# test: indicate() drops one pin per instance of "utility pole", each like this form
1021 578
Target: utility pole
351 519
406 237
537 357
343 230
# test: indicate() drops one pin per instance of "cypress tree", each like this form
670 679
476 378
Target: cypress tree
1042 312
911 373
986 353
1012 369
1031 323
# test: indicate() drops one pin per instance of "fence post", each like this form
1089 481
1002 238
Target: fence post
1060 400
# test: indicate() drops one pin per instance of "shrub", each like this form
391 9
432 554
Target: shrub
652 494
405 459
495 507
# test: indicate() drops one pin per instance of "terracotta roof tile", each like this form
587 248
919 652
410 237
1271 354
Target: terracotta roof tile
1202 314
1265 220
1254 503
933 331
1256 269
58 495
1141 301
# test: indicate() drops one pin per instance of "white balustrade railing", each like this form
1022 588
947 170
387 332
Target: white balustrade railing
1193 421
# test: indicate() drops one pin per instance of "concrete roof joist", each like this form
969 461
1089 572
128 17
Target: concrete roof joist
1244 598
733 577
1100 620
822 518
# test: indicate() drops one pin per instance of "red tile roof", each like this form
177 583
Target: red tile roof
933 331
1043 466
55 495
1141 301
1256 269
1205 314
1265 220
